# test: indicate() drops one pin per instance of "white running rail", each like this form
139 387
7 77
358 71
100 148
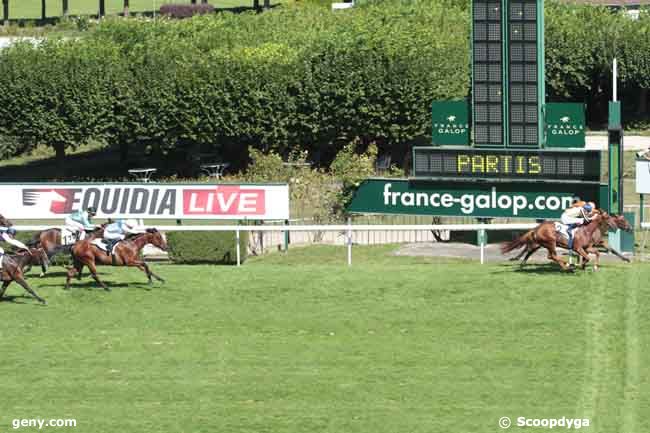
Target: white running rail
347 228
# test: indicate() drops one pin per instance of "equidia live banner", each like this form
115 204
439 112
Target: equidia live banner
125 200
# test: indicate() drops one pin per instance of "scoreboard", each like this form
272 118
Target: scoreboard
500 164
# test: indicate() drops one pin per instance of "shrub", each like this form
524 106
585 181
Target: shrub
206 247
185 11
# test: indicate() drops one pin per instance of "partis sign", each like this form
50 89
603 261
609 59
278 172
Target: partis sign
191 201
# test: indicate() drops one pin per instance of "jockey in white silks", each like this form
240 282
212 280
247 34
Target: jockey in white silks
78 222
576 215
118 231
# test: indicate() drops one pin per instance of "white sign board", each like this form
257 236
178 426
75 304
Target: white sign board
643 176
162 201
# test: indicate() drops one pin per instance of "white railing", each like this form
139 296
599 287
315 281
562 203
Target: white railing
347 228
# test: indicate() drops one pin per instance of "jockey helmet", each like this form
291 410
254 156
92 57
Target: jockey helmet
11 231
588 207
91 211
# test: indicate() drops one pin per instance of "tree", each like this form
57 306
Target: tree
126 8
65 8
43 10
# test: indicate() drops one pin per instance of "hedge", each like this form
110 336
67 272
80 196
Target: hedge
206 247
298 77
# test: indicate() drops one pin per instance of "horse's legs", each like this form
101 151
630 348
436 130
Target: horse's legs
521 254
144 267
594 250
584 256
616 253
71 271
20 280
93 272
4 288
552 255
530 253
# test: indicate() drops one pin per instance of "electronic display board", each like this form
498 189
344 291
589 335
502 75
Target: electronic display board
521 165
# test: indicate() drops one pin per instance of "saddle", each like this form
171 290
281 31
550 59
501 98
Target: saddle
562 230
101 244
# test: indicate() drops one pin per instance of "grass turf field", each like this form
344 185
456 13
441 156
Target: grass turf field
301 343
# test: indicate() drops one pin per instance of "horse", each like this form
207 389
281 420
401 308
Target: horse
599 239
544 235
5 222
12 271
125 253
50 241
35 256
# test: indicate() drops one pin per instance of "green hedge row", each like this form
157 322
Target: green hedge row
298 77
206 247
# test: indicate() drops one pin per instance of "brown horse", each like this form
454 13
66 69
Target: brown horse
5 222
13 271
599 239
50 241
33 257
126 253
544 235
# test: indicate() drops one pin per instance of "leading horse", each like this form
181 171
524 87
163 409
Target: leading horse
599 239
125 253
545 236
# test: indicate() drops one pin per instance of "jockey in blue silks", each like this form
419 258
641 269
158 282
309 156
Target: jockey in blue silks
117 231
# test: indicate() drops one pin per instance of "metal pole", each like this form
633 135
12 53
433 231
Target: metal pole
286 237
238 248
349 241
482 237
640 209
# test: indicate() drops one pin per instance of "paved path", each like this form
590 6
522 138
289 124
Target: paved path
467 251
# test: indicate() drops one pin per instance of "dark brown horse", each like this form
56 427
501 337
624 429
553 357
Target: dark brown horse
50 241
126 253
33 257
599 239
544 235
5 222
12 271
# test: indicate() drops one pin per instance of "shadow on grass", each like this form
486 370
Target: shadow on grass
14 299
535 268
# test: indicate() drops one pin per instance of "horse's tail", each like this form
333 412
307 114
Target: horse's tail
521 241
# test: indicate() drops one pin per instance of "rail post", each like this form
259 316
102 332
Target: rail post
349 241
238 247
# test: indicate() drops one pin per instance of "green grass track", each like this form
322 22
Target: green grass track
302 343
